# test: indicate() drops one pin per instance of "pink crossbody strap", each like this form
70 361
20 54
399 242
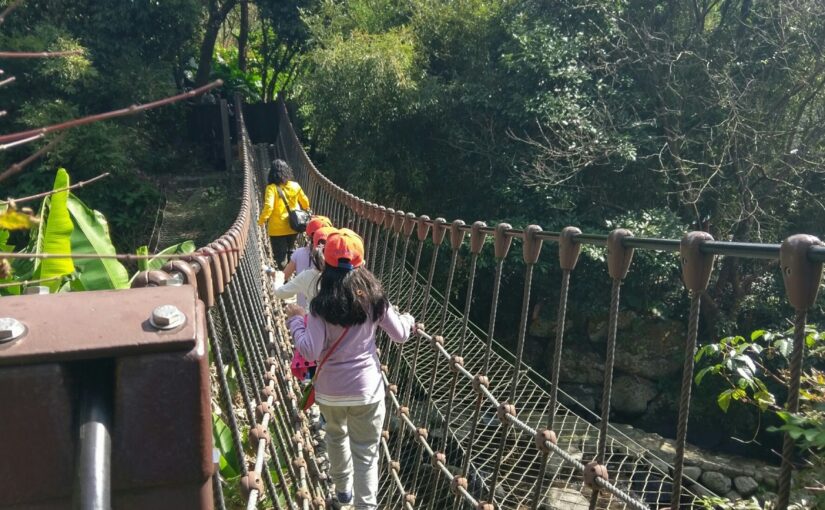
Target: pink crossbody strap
329 353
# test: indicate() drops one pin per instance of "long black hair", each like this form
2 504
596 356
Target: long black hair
279 172
349 297
316 257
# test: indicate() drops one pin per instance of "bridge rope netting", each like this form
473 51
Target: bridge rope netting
468 424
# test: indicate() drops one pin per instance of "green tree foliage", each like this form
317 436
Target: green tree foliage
129 52
755 372
706 111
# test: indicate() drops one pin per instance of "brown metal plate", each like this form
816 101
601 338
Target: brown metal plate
87 325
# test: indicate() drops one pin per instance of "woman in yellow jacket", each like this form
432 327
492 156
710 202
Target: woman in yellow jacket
281 188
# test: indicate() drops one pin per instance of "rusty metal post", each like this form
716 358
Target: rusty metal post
618 263
802 279
569 251
501 246
696 270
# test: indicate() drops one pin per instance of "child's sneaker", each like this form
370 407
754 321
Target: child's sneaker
343 500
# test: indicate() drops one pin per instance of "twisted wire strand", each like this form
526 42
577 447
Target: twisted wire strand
792 406
684 399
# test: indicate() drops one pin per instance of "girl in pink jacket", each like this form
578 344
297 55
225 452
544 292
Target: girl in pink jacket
344 315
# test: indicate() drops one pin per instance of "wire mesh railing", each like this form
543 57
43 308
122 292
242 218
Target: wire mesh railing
468 425
479 420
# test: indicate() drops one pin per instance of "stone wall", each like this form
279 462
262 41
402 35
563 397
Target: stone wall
707 472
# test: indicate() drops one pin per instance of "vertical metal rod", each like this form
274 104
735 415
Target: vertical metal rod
214 345
409 381
505 426
414 274
557 348
94 459
412 374
373 262
237 364
391 273
608 379
792 406
684 399
396 367
487 354
387 233
428 290
445 308
217 490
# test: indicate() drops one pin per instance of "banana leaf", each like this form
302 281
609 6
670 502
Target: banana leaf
4 237
176 249
143 264
159 260
56 237
91 235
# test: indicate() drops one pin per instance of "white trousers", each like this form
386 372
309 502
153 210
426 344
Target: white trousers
353 440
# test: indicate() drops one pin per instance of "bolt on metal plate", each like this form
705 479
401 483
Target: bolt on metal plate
167 317
11 329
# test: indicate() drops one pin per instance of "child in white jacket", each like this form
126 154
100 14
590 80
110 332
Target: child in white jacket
305 283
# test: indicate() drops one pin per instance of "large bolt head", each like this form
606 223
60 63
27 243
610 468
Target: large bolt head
11 329
167 317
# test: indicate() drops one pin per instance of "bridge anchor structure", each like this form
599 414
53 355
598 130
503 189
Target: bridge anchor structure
469 424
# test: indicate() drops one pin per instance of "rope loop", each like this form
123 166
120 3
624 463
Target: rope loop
543 437
592 470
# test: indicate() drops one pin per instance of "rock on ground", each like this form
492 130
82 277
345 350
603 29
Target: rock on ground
745 485
717 482
631 394
564 499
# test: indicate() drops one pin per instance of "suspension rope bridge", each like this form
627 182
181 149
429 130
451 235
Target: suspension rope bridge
469 425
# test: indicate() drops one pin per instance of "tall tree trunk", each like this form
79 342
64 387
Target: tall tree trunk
213 25
244 36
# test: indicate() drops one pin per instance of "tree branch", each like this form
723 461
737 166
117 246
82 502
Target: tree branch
22 141
12 6
18 167
39 54
131 110
52 192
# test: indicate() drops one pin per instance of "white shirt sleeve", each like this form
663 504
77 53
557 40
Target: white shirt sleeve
299 284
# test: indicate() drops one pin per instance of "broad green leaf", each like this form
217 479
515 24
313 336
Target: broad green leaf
701 375
4 237
91 235
783 345
746 360
176 249
724 400
159 260
143 264
222 435
757 334
57 235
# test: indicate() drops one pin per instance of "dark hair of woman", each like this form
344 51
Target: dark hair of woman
349 297
279 172
316 257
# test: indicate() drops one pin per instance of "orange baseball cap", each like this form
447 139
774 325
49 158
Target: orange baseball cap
344 249
317 222
321 235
